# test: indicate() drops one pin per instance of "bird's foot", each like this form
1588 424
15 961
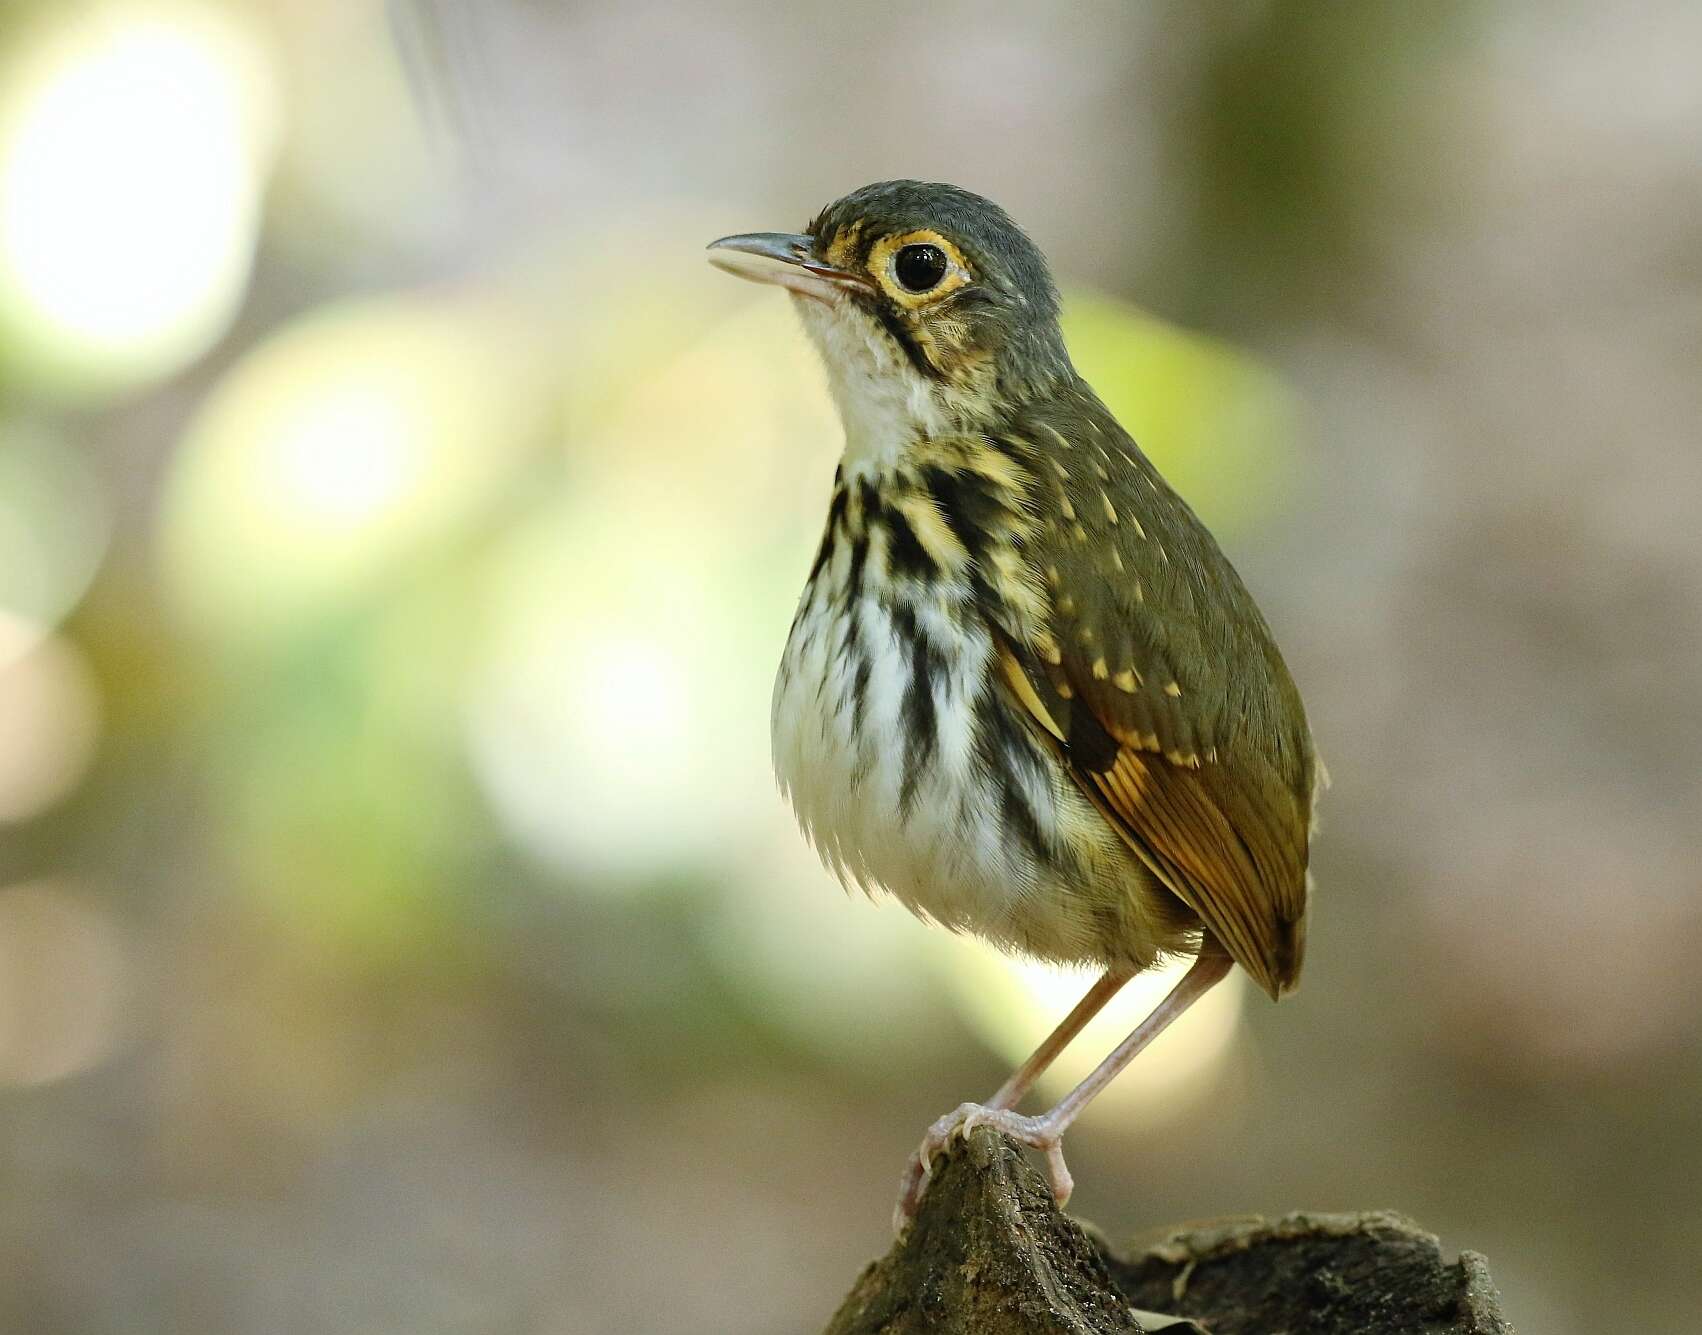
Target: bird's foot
1038 1133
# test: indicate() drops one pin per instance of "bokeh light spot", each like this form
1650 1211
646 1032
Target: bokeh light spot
618 718
635 697
332 454
131 157
350 456
53 533
49 719
605 709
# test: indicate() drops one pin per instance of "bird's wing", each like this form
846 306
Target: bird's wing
1172 708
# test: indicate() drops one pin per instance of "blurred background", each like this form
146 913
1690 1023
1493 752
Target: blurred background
399 525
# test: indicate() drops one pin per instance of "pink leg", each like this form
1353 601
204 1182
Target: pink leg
1046 1132
1010 1093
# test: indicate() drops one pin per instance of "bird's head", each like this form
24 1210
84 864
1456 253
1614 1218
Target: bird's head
932 310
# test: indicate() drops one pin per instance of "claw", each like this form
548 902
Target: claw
1058 1173
1037 1133
910 1188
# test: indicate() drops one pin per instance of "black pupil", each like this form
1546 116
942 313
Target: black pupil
920 267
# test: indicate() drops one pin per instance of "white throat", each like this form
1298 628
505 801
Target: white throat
884 402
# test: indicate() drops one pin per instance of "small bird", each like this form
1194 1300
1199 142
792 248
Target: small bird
1024 691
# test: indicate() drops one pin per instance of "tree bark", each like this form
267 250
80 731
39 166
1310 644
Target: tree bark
991 1254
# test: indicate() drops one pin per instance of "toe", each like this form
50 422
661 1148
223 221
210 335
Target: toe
910 1189
1058 1173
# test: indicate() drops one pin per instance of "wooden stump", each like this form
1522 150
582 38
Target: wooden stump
990 1254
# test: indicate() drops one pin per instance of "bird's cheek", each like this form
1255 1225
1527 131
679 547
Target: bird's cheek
954 337
963 351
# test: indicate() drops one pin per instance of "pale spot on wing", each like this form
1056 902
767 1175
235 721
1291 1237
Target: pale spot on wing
1052 432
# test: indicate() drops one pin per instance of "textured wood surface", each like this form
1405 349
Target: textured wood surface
990 1253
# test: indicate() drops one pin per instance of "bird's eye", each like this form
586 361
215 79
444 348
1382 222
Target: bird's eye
919 268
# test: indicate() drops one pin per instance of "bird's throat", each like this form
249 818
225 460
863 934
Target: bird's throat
885 404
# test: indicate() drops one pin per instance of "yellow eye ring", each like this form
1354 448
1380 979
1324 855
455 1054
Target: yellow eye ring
892 256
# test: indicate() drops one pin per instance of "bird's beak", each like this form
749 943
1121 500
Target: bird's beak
786 260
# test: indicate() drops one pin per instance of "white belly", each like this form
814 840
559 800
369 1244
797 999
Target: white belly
933 834
933 842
